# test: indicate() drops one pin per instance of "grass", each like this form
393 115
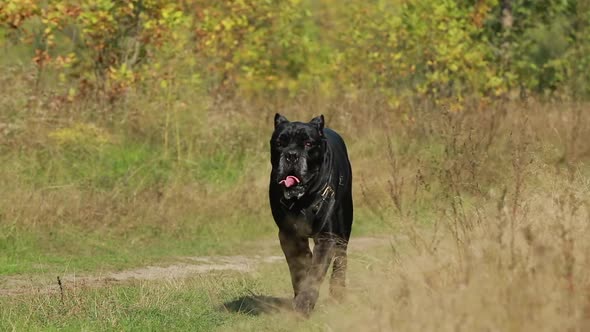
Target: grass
182 305
223 301
487 211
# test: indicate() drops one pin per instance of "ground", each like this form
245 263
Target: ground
249 292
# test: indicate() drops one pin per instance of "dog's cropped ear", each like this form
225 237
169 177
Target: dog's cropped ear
279 119
318 121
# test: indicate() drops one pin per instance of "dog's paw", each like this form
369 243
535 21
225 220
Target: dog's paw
304 302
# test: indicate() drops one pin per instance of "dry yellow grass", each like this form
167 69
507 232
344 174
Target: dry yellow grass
501 274
506 246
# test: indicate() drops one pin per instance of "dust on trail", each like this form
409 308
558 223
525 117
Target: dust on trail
184 267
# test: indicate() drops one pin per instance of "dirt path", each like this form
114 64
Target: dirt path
183 267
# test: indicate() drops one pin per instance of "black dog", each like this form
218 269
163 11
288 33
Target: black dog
311 197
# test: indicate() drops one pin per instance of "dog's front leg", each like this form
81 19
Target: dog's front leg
298 255
323 252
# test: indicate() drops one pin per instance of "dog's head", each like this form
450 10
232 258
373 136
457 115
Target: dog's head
296 153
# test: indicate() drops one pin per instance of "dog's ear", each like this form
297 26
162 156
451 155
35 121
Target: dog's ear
318 121
280 119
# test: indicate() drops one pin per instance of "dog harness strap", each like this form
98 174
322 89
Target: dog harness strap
288 204
326 196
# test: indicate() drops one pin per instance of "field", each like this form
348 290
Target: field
133 194
474 220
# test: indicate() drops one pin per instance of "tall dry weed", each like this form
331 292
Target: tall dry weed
512 254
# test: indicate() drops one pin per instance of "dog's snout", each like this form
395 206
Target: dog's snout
291 156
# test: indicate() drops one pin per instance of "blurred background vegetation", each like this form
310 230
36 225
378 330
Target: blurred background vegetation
450 49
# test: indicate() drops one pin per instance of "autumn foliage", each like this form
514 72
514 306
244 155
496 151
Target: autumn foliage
451 50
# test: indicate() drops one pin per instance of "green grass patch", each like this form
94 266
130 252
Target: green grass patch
100 168
74 249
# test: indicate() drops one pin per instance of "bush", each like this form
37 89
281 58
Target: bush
447 50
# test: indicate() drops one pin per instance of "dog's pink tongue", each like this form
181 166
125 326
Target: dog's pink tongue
290 181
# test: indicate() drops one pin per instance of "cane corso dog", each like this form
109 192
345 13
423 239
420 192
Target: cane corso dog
311 197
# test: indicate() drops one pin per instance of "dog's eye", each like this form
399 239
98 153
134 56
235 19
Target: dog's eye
308 144
279 144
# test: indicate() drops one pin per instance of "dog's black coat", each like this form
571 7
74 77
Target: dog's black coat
319 206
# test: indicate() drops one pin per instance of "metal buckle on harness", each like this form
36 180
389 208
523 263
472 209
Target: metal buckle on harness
327 192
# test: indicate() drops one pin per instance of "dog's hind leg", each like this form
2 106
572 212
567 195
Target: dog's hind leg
298 255
338 279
